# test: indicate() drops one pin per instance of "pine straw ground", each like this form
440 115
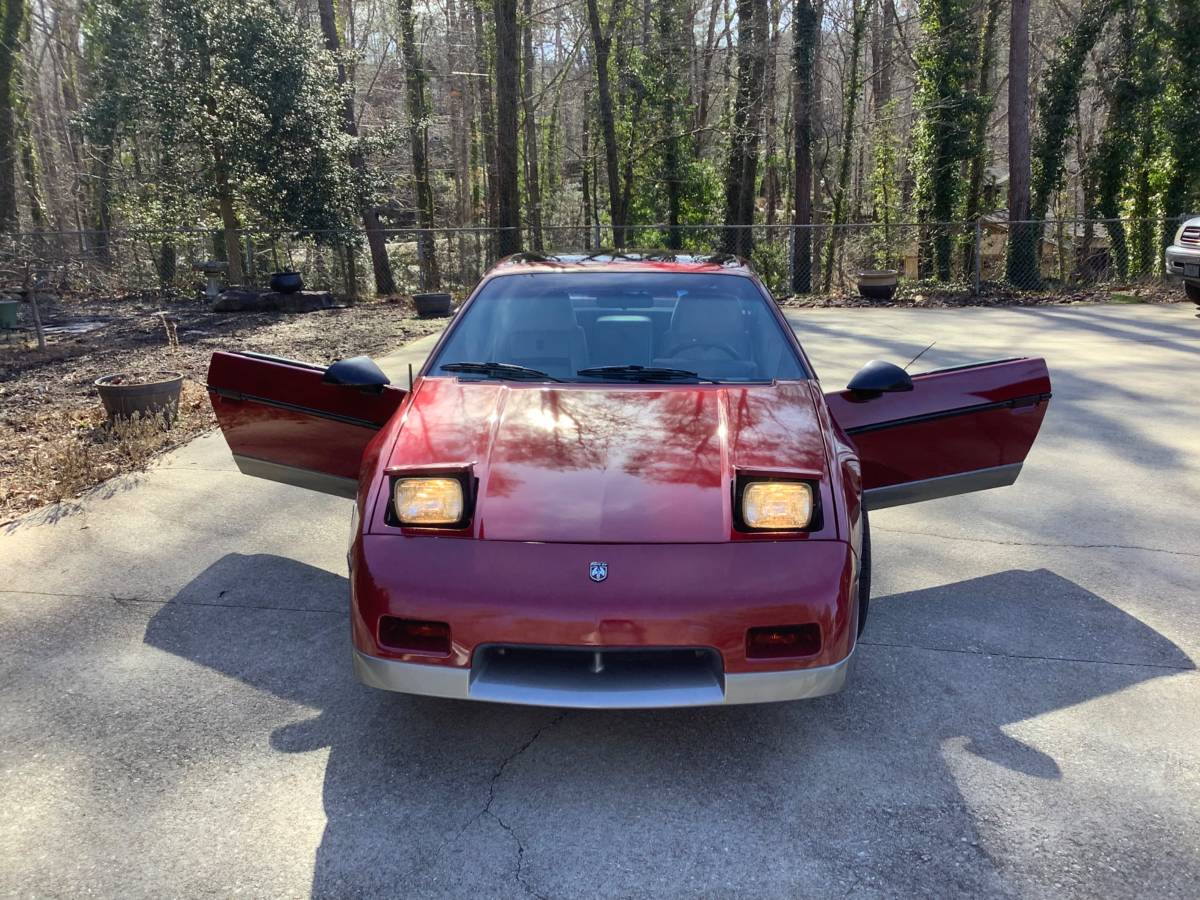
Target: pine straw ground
55 441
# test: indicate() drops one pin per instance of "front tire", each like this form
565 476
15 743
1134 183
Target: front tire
1192 291
864 573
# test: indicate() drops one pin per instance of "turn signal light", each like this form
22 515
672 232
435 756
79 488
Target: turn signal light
783 641
413 636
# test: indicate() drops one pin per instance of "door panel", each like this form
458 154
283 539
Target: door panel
961 429
283 423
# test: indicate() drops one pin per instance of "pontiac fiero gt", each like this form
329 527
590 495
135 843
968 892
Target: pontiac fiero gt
617 482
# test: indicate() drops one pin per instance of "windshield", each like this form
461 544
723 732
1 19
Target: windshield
619 326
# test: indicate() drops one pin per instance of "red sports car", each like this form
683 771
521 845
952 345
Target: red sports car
617 482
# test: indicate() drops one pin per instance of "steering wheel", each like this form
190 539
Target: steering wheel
708 345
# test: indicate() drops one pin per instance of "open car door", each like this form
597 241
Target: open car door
288 421
966 428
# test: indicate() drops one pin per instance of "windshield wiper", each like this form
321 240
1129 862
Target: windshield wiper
643 373
498 370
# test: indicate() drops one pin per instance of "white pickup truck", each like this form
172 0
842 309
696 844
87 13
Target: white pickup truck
1183 257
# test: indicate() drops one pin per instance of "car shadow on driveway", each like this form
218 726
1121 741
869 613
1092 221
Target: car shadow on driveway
457 797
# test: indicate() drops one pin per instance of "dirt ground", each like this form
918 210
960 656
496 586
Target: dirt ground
54 438
934 296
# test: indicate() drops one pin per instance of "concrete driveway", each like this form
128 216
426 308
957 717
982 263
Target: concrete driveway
178 714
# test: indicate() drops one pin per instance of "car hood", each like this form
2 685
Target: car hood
610 463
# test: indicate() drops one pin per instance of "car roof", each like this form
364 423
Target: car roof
623 261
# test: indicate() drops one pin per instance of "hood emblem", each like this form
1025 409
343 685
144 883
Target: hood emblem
598 571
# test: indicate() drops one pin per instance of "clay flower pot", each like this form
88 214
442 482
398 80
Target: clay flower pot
125 394
878 285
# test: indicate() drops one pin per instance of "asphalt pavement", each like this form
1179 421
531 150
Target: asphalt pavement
178 714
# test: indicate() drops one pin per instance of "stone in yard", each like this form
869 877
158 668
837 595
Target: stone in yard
245 300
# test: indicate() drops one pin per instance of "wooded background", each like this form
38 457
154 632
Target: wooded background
463 129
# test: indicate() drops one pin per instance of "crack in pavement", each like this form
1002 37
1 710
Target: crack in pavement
487 809
1002 655
974 540
123 601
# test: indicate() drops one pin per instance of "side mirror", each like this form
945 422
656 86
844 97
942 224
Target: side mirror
879 377
358 372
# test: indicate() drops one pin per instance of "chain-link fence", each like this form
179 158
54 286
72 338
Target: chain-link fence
990 255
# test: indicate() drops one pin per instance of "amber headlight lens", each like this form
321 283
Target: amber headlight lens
777 504
428 501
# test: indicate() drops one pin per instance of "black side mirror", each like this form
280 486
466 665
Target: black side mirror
358 372
879 377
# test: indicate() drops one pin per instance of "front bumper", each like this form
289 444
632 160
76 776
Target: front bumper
1178 258
462 684
666 627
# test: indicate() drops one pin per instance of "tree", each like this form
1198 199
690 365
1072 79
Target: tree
1058 101
533 175
508 191
1107 168
1148 80
807 24
858 25
11 30
487 111
1181 113
116 38
741 178
248 113
982 110
943 134
418 136
380 264
1021 263
602 35
670 40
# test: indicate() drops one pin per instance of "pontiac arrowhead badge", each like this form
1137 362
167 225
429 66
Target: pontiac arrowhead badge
598 571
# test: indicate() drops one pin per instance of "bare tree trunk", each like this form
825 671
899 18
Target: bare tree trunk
709 52
487 117
806 22
1022 248
671 54
508 190
601 46
461 129
742 174
858 26
533 176
380 264
771 176
586 173
224 191
229 221
418 134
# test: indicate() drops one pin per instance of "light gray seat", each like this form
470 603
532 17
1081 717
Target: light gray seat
541 332
708 330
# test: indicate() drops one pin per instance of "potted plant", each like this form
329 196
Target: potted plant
878 284
432 305
143 393
286 282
